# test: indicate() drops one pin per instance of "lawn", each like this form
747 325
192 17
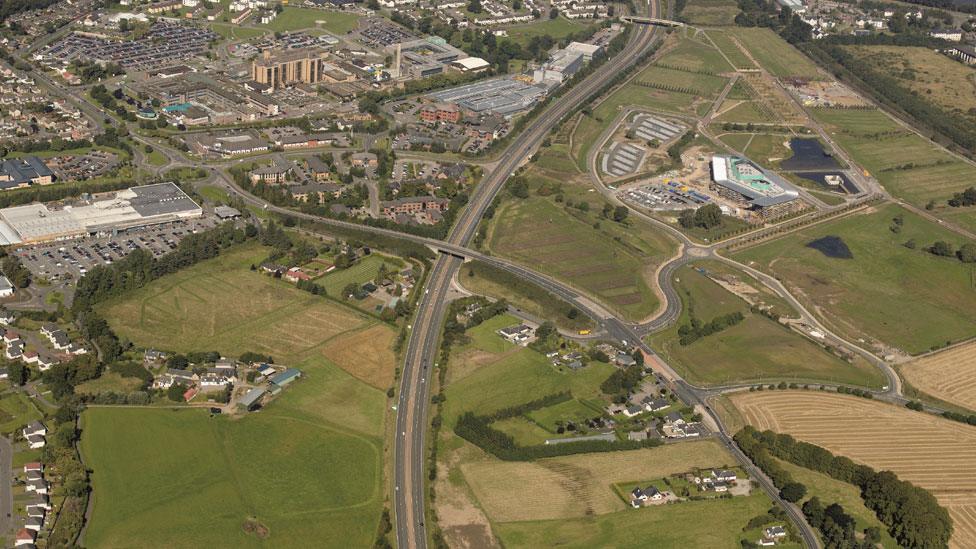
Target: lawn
181 478
907 165
775 54
900 296
213 194
757 348
220 304
292 19
711 12
16 411
361 272
109 382
156 158
545 236
744 112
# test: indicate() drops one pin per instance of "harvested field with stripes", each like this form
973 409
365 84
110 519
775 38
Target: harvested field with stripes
931 452
948 375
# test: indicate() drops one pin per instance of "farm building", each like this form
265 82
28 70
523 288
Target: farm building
251 399
286 377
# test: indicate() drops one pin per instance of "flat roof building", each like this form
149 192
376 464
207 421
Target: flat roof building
129 208
302 66
23 172
739 179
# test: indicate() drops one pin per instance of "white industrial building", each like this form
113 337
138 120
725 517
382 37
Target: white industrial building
125 209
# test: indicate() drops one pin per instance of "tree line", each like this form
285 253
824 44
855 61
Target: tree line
695 329
912 515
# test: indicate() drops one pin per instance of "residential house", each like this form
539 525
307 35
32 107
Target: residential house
724 475
363 160
10 337
37 487
34 475
632 411
172 376
153 356
514 333
45 362
7 318
34 466
216 377
624 359
35 511
34 523
14 350
655 404
295 274
36 442
774 532
25 537
77 349
35 428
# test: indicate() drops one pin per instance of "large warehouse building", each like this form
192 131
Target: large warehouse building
126 209
738 179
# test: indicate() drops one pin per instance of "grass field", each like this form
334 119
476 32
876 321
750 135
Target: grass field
743 112
109 382
543 235
732 51
222 305
756 348
775 54
834 491
557 28
182 479
156 158
902 297
948 375
292 19
489 381
213 194
931 452
907 165
711 12
579 485
930 74
713 523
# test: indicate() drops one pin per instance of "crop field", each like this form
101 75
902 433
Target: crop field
732 51
292 19
222 305
664 526
543 235
903 297
754 349
366 354
907 165
579 485
948 375
775 54
934 453
711 12
930 74
179 478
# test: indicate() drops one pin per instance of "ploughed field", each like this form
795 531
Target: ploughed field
931 452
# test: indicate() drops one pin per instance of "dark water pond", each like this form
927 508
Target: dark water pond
831 246
808 154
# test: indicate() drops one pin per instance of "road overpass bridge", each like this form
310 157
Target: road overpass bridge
651 21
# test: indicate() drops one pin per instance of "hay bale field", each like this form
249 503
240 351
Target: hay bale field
579 485
948 375
934 453
222 305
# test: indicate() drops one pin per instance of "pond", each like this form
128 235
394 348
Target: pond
808 154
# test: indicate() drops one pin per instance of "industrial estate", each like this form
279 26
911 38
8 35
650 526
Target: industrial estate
488 273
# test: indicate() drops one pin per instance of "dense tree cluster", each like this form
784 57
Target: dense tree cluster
913 515
622 380
706 217
964 199
14 270
13 7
